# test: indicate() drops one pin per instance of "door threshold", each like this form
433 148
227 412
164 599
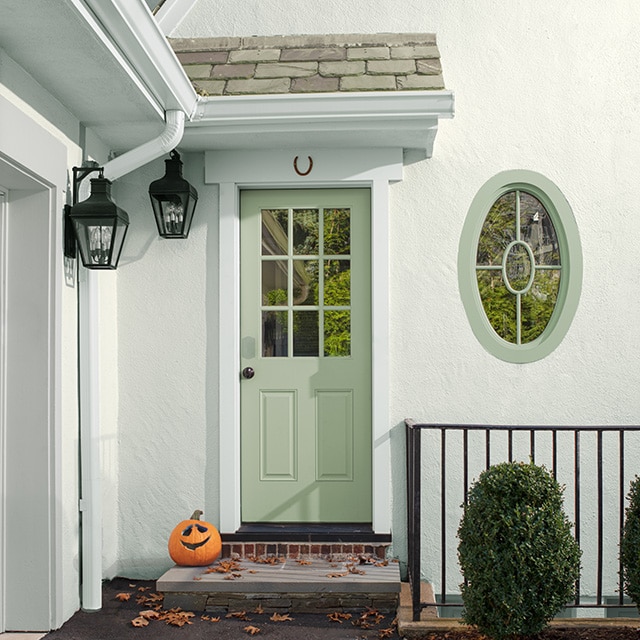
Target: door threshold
307 532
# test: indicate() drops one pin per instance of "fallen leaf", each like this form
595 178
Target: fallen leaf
386 633
351 568
150 614
139 622
304 562
143 588
278 617
209 618
225 566
252 630
337 575
259 609
123 597
266 559
241 615
337 616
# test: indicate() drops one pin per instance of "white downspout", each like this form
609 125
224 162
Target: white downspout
136 158
89 374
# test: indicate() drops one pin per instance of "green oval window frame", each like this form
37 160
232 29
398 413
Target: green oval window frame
570 256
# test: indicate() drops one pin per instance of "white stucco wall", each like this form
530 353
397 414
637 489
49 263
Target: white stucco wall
167 374
550 88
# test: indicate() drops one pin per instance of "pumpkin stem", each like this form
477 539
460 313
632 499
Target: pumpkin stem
196 515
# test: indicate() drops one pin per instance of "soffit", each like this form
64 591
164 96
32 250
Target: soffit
55 44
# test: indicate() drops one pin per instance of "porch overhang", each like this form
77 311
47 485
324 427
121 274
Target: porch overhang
382 119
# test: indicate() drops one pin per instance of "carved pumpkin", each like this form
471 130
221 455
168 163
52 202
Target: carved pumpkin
194 542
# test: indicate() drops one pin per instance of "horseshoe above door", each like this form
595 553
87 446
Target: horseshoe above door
303 173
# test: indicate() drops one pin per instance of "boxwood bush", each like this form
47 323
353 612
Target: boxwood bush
517 553
630 545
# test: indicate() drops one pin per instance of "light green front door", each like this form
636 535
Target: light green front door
306 338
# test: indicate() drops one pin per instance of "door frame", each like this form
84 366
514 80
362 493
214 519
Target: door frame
373 168
33 172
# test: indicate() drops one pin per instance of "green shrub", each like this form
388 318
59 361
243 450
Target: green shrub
517 554
630 545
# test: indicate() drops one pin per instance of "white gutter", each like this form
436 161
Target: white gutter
132 27
89 375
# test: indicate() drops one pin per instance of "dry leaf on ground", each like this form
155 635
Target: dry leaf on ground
123 597
252 630
139 622
338 616
280 617
241 615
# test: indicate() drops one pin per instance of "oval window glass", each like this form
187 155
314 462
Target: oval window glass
519 244
520 266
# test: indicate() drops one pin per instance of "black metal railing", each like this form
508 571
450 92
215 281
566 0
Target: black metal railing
588 460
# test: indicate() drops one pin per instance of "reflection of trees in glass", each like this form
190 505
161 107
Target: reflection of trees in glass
522 314
337 323
337 231
309 240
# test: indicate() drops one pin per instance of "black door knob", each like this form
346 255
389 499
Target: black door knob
248 373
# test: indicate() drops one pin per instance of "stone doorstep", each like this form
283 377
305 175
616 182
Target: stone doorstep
286 586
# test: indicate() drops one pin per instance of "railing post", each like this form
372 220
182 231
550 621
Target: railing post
413 515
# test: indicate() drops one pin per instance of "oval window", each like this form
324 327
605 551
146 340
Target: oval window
520 266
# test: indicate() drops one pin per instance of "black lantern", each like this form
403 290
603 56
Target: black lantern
100 226
173 200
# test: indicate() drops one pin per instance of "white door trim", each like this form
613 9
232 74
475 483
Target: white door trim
233 170
3 379
33 164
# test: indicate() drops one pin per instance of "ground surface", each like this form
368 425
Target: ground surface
608 633
115 622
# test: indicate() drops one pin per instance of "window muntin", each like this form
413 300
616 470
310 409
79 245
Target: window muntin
520 266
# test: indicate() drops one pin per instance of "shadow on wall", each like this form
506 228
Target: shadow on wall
399 496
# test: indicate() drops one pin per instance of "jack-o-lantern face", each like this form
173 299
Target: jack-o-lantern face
194 543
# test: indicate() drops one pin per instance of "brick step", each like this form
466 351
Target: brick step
286 584
338 551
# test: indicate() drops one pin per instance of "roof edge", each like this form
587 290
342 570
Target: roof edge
133 29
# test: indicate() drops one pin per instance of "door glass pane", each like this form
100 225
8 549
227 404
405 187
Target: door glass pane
274 283
305 333
305 232
337 282
305 282
337 231
274 334
337 333
274 232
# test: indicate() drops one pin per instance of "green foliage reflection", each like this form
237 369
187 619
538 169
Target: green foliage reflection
519 317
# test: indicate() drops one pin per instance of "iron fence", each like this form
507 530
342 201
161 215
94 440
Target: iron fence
589 461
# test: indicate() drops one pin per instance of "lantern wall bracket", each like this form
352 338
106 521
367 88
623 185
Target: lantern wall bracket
79 174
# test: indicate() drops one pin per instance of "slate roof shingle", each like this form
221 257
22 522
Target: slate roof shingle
258 65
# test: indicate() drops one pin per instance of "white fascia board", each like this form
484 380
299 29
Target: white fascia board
412 116
378 105
133 29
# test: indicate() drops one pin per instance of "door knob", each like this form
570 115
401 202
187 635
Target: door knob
248 373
